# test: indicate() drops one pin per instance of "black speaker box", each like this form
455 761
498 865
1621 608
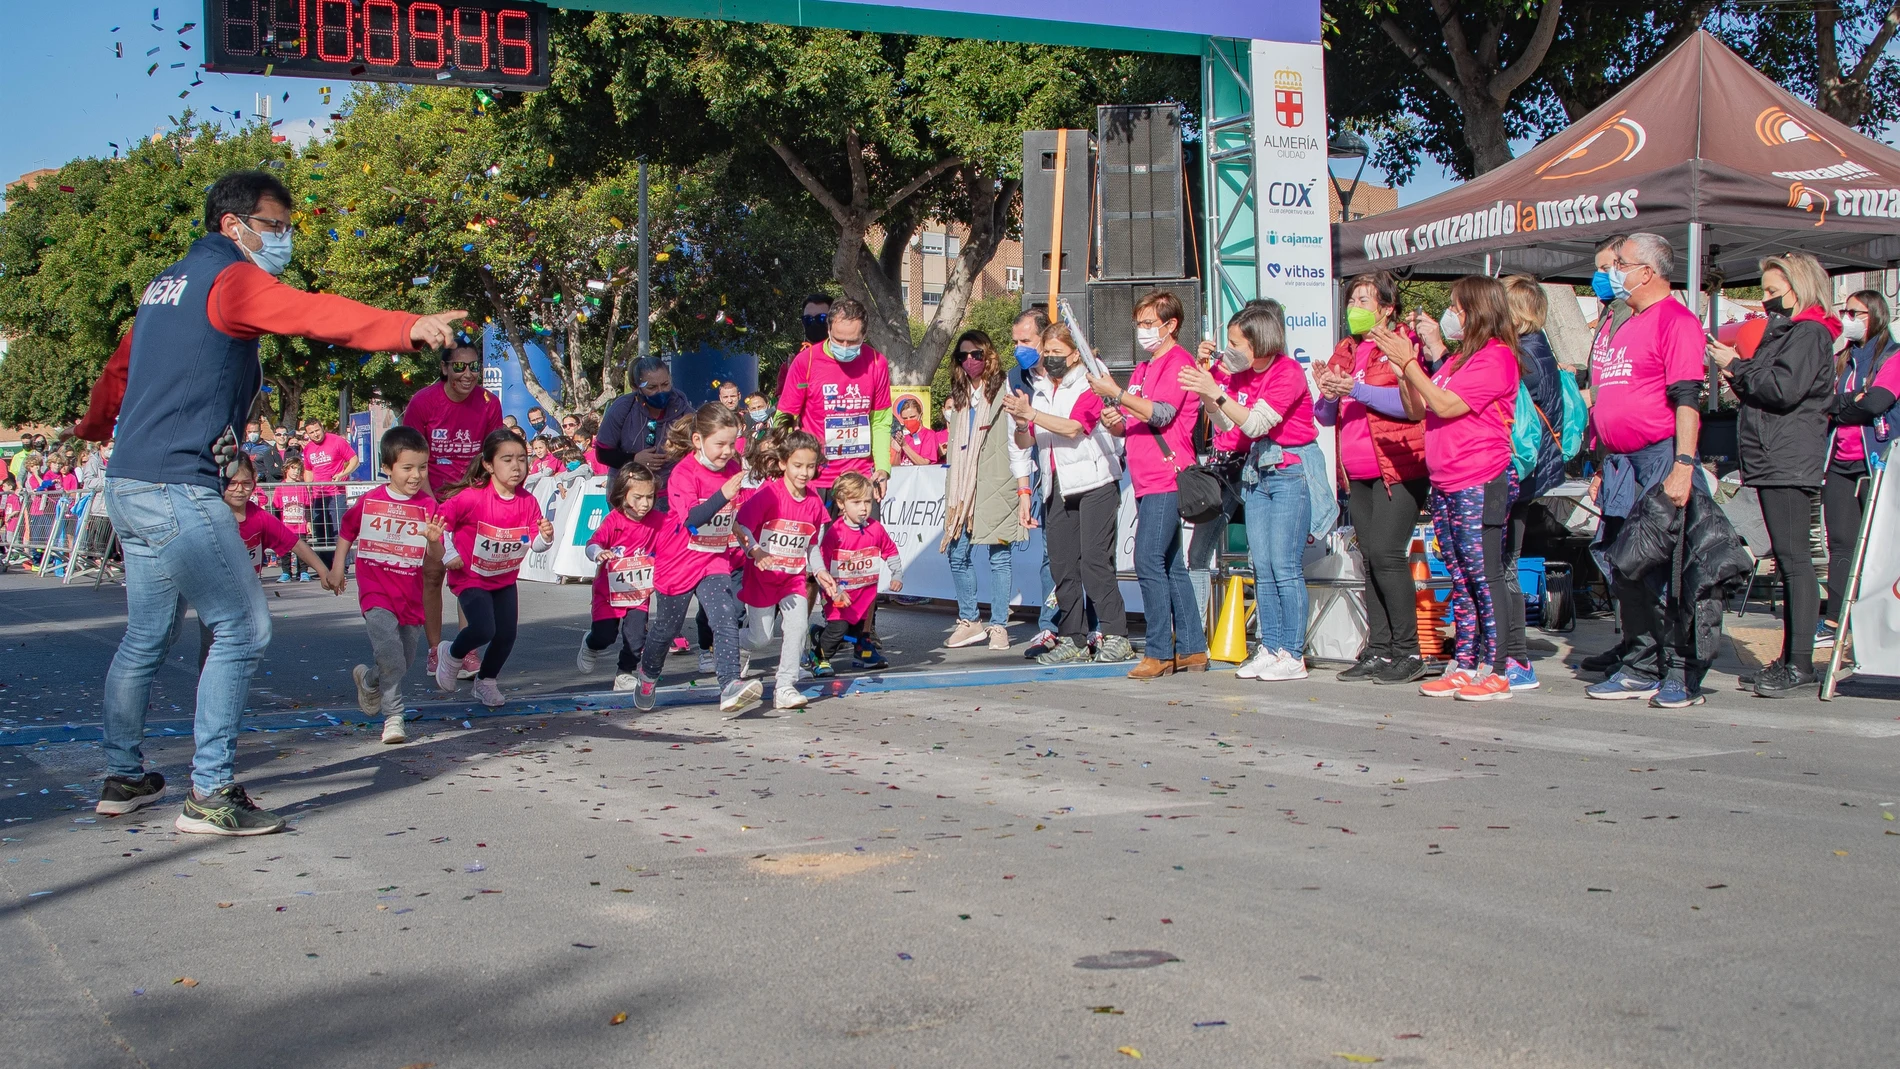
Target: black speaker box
1039 185
1111 317
1141 209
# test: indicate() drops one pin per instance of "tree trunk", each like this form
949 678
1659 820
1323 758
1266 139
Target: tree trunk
1485 135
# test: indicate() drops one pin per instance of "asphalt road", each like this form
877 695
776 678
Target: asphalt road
920 872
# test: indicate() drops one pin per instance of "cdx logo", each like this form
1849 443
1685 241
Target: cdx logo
1290 194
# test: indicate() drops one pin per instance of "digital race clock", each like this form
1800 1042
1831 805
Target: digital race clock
492 43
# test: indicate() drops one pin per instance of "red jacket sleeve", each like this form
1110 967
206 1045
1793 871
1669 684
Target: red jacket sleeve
246 302
102 411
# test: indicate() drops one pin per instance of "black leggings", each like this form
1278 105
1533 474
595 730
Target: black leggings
491 616
1511 620
1383 519
1788 512
630 629
1843 499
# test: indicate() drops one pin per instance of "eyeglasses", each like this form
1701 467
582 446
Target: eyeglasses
1851 313
1625 265
460 366
267 224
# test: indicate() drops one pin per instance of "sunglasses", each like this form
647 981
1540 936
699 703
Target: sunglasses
460 366
1853 313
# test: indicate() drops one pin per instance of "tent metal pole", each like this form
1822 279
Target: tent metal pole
1694 286
1843 612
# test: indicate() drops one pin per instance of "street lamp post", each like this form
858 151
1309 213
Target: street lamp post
1346 145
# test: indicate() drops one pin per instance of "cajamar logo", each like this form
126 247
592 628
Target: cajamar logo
1615 139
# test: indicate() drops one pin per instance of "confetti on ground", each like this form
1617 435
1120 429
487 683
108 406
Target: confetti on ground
186 981
1357 1059
619 1018
1130 1051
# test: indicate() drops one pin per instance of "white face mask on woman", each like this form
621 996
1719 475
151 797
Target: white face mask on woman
1854 329
1452 327
1148 338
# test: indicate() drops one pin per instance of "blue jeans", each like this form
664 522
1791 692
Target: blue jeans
1167 598
182 547
1002 579
1046 619
1279 511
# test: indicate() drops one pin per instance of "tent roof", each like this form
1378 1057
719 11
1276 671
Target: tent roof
1701 137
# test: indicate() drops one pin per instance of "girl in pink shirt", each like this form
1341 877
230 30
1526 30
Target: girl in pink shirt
850 552
1467 406
291 499
394 528
494 526
778 531
259 530
622 552
694 555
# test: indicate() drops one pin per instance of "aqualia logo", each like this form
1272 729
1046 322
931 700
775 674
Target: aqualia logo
1316 320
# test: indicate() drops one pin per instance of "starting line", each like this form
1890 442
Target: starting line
691 693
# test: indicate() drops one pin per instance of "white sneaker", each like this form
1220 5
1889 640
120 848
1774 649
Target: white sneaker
368 698
1263 659
784 697
1287 667
740 695
706 662
445 666
624 682
394 732
967 633
587 657
489 693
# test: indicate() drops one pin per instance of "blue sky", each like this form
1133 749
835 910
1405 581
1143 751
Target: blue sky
66 95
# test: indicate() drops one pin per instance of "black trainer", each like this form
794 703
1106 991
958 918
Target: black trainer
1404 670
1368 665
1788 681
228 811
1609 660
122 794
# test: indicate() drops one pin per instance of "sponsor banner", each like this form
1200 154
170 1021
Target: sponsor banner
1503 218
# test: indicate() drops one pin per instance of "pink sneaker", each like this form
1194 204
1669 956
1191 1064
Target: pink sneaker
1449 684
471 664
444 668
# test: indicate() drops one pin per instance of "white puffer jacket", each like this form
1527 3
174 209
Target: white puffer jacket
1081 463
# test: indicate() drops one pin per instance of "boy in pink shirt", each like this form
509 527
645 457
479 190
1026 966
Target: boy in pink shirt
850 551
394 529
622 552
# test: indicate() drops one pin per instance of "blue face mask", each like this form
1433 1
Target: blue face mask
274 256
657 400
1600 282
844 354
1619 283
1026 357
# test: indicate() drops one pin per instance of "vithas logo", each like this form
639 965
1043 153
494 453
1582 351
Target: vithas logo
1289 98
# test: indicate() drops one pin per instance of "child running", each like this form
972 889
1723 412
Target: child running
292 502
622 550
778 529
849 554
694 555
393 527
493 528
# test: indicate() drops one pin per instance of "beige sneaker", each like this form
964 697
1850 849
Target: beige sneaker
967 633
999 637
395 732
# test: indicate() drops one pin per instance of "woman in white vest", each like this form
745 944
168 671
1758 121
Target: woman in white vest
1082 471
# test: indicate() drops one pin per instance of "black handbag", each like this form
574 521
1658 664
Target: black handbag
1197 490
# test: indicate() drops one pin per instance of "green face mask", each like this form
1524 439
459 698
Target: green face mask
1359 320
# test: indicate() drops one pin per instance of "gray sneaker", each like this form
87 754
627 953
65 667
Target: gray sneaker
1114 649
1064 652
228 811
740 695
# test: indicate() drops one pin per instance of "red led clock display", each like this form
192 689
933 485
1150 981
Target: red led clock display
493 43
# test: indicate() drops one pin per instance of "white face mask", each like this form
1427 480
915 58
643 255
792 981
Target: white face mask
1148 338
1855 329
1452 327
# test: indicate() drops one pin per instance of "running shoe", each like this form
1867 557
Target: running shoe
471 664
645 691
868 658
395 732
821 669
1825 634
1520 675
1622 685
1787 682
1408 669
1044 641
1263 659
966 633
124 794
1288 667
1065 651
283 577
1448 685
587 657
1368 665
226 811
1608 660
740 695
707 664
788 698
1487 688
1673 694
1113 649
369 699
444 668
999 637
625 682
432 660
488 692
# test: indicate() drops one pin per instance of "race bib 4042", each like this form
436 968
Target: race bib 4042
787 545
498 550
392 535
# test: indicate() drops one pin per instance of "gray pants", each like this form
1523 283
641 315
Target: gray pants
792 618
395 647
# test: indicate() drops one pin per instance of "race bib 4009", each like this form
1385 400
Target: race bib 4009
392 535
498 550
855 569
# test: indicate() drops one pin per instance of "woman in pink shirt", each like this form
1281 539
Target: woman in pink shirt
1156 415
1467 406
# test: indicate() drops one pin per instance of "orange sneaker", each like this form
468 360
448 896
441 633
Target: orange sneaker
1493 687
1448 684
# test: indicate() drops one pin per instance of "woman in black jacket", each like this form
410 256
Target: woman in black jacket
1864 422
1786 391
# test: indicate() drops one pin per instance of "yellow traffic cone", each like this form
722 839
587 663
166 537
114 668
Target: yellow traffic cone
1229 641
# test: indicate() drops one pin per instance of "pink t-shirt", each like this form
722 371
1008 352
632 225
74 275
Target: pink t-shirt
1629 372
491 534
550 464
927 442
1472 449
260 531
594 464
787 528
683 557
1283 387
390 545
852 554
1159 379
624 580
834 402
292 502
453 430
328 461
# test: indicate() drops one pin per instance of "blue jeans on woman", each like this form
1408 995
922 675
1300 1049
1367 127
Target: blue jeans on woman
182 546
1002 579
1167 598
1279 512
